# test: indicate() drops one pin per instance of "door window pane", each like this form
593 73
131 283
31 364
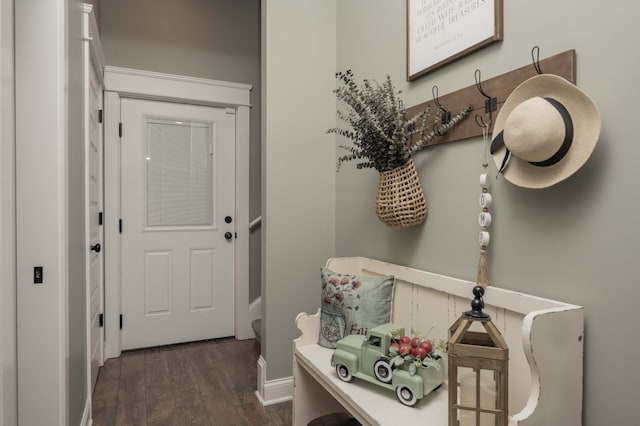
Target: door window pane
179 173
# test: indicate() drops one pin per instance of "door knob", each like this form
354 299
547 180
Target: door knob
228 235
96 248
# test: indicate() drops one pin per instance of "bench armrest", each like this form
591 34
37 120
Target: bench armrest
553 344
309 326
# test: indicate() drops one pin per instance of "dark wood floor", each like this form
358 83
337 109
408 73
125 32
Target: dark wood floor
202 383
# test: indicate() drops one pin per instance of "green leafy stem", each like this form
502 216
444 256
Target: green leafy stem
383 135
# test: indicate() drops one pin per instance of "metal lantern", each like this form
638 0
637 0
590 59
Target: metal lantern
478 369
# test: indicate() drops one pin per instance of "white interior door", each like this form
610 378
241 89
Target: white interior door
178 222
95 260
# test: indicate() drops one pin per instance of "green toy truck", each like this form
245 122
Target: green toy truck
376 359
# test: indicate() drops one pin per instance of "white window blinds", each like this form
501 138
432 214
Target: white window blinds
179 173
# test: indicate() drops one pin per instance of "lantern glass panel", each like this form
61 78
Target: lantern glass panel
488 419
466 389
477 392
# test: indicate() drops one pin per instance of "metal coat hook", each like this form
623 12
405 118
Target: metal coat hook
536 59
446 115
480 121
490 103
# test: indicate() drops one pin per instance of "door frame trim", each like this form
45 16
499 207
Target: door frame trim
94 59
125 82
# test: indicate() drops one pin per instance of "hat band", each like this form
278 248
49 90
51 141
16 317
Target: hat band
498 141
568 136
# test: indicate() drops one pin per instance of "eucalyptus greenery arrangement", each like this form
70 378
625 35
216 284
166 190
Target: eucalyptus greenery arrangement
382 132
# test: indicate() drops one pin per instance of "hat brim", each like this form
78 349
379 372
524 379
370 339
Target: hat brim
586 124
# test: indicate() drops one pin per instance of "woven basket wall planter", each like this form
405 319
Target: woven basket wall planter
400 202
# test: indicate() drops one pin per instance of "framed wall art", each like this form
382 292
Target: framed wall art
441 31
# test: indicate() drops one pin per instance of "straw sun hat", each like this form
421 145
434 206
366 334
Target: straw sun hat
545 131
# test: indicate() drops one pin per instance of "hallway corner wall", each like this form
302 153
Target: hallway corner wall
50 205
8 361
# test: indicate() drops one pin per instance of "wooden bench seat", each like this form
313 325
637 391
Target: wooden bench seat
544 337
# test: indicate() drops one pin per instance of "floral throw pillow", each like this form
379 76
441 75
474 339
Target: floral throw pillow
352 304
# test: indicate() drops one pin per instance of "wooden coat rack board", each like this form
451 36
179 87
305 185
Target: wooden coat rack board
500 87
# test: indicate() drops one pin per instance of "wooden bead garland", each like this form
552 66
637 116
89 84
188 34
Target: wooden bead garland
484 219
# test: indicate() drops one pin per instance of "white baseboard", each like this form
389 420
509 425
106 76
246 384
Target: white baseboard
86 415
272 391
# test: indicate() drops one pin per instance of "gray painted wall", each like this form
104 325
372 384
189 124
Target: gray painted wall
214 39
8 362
577 241
299 39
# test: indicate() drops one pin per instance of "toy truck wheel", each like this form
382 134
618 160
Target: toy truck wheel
405 396
343 373
382 370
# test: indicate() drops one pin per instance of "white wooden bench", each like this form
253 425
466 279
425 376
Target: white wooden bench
545 339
